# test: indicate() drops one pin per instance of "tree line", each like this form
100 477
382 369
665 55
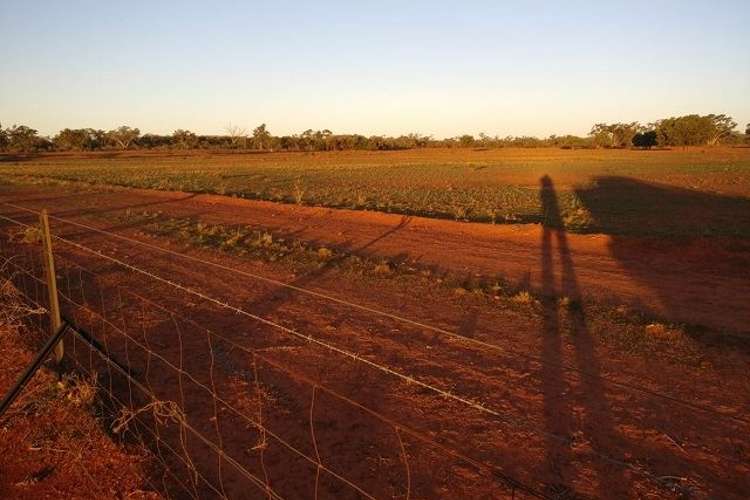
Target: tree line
688 130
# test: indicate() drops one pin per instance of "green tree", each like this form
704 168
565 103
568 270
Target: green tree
69 139
123 137
721 127
615 135
22 139
601 135
747 133
184 139
79 139
321 139
466 140
623 133
694 130
261 137
3 139
645 140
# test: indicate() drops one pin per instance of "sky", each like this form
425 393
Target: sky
385 67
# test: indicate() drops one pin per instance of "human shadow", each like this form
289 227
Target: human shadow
558 399
691 248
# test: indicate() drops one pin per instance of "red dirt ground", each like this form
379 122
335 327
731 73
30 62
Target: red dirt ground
574 407
52 447
703 281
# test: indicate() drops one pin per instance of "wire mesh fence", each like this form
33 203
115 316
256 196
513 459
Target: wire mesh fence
222 417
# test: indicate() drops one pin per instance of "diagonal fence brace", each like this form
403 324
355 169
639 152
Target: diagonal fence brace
51 343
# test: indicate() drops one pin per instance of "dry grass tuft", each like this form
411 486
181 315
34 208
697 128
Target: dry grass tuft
523 297
382 268
29 235
325 253
12 308
162 411
664 332
79 390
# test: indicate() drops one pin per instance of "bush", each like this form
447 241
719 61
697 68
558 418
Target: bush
645 140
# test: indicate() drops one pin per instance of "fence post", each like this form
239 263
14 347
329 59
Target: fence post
49 267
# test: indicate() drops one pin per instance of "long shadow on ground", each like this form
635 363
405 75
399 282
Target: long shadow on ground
698 230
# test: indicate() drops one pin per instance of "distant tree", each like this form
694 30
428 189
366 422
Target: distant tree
645 140
307 140
321 138
623 133
22 139
694 130
153 141
237 135
97 138
377 143
184 139
747 133
569 142
524 141
615 135
70 139
123 137
288 143
261 137
721 127
3 139
602 136
466 140
673 131
484 140
79 139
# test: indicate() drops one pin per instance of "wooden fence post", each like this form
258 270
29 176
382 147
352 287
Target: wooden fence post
49 267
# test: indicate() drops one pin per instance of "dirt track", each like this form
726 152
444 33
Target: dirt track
527 379
704 282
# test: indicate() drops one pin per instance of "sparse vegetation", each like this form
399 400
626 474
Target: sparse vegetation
636 333
499 186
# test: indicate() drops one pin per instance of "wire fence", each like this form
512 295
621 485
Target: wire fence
258 408
174 385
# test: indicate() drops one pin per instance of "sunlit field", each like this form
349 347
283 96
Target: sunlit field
615 191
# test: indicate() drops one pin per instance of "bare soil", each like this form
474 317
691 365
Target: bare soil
702 281
51 444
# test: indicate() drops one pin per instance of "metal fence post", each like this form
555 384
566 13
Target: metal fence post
49 266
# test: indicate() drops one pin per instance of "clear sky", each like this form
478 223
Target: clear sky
380 67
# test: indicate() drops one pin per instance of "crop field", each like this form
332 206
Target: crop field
609 191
